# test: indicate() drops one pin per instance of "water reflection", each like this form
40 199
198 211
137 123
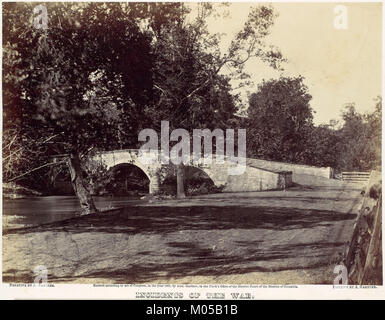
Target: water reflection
32 211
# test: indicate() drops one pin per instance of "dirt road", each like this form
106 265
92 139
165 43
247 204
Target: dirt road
287 237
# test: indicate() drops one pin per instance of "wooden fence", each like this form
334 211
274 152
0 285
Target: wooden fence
364 255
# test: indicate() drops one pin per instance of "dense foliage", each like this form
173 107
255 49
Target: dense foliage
101 72
280 127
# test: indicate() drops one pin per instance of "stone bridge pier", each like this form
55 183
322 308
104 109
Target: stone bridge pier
112 159
154 187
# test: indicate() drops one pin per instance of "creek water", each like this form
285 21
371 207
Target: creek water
32 211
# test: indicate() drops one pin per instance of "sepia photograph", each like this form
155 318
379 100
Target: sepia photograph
187 143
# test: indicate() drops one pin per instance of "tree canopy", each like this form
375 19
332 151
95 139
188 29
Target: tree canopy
280 127
83 81
279 120
101 72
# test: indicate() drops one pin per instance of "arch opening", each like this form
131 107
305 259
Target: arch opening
126 179
196 182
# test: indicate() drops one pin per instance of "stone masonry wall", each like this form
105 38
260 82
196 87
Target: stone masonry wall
325 172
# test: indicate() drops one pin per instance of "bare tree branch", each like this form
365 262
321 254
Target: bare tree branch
35 169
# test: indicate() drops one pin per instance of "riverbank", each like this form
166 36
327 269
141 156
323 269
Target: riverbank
15 191
287 237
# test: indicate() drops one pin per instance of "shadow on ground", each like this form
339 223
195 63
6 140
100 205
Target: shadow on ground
204 262
162 220
158 243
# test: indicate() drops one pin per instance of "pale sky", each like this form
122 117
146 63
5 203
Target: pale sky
339 66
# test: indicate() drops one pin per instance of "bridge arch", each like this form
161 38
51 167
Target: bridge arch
125 174
197 179
122 162
114 158
218 178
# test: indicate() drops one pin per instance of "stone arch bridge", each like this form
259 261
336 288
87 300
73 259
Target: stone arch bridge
253 178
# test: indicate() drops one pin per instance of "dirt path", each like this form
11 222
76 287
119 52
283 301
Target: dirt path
288 237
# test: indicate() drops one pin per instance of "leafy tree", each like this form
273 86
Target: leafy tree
84 80
102 71
374 132
323 146
191 91
353 145
360 147
280 120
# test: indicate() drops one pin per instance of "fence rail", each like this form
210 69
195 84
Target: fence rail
355 176
363 257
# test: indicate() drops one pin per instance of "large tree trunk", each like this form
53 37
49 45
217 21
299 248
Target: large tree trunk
86 202
180 194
